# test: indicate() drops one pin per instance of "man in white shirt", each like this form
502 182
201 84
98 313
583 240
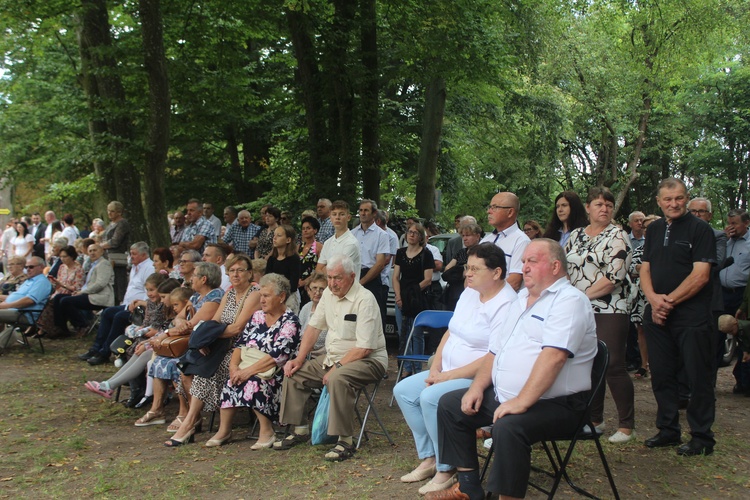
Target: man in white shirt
532 385
49 218
374 249
343 241
217 254
208 213
502 213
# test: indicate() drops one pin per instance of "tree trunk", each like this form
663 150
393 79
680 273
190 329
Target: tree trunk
157 142
255 154
323 163
432 127
369 93
94 40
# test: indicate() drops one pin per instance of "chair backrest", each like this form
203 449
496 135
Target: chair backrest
433 319
599 369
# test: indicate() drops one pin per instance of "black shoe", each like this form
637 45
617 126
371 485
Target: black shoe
661 440
87 355
97 359
684 404
145 402
740 389
633 367
693 448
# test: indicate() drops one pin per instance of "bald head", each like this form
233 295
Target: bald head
503 210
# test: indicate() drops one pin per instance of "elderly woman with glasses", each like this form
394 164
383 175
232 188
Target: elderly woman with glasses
479 313
203 392
412 277
188 260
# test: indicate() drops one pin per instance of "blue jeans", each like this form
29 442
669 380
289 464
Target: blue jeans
419 405
112 324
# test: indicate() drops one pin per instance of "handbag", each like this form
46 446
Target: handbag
250 356
319 433
173 347
120 345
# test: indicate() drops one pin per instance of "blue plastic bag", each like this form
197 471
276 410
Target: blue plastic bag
319 433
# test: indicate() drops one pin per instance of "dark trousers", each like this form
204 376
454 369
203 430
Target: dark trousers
376 287
71 308
693 345
112 324
512 435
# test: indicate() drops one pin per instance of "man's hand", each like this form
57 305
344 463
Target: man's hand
292 366
511 407
472 401
661 306
325 377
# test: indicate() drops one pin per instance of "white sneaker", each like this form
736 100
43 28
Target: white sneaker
598 428
487 443
620 437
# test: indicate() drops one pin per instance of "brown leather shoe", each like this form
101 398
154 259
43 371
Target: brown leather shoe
450 494
483 434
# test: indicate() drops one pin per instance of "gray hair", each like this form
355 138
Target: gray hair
345 262
468 219
193 254
380 216
556 252
278 282
701 199
60 241
373 205
38 261
638 212
212 273
141 247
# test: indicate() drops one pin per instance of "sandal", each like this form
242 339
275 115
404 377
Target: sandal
176 424
340 452
641 373
96 388
291 441
151 418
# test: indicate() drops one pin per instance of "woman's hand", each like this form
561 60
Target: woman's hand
435 377
140 348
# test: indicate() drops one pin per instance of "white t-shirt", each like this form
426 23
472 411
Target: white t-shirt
438 257
347 245
71 232
473 324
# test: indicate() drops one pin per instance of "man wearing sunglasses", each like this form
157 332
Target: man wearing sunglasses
20 306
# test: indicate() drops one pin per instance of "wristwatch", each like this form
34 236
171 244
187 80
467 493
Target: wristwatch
338 364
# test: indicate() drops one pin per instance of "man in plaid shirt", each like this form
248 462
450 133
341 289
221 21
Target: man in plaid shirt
243 236
324 217
198 231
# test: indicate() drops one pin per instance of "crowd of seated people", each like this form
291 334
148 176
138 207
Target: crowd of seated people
271 276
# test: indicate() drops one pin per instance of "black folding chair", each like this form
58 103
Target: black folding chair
26 330
585 432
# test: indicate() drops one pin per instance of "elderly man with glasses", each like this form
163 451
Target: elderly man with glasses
20 306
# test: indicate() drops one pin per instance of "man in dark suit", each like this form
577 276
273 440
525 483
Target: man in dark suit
37 229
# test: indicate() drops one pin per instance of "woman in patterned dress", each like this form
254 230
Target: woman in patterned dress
275 331
235 310
599 259
265 238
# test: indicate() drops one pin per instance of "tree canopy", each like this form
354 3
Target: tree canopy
426 108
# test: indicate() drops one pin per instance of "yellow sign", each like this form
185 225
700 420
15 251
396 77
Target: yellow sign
4 211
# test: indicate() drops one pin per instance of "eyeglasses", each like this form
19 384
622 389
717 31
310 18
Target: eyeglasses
497 207
415 233
473 269
186 261
236 271
529 230
696 211
31 267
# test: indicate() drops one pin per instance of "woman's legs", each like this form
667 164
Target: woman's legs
642 347
130 370
225 425
193 416
612 329
266 432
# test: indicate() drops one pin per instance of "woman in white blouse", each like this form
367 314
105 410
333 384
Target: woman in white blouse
479 312
599 258
23 243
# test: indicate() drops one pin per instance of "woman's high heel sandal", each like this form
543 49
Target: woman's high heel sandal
218 442
189 438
